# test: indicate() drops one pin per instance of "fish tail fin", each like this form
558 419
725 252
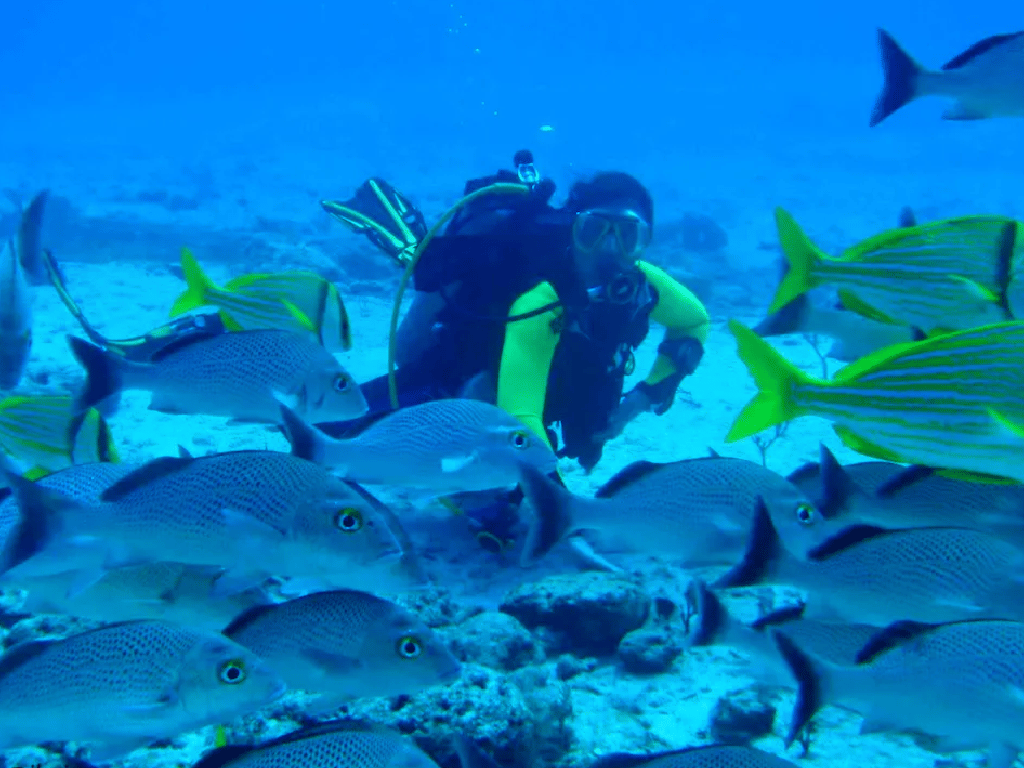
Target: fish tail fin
198 285
813 679
714 621
801 255
552 512
307 441
789 318
775 377
763 557
103 377
901 74
39 510
91 440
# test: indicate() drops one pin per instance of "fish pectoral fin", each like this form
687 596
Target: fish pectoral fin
151 709
451 464
162 403
960 605
875 724
249 530
589 557
84 580
236 581
331 662
726 524
961 111
114 749
976 289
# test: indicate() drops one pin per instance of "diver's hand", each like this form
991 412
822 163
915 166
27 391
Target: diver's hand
635 402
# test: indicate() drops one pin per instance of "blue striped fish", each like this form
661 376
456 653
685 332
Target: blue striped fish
303 302
954 401
940 276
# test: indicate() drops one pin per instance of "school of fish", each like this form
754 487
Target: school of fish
911 565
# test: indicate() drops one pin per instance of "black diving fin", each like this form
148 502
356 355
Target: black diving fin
382 214
140 349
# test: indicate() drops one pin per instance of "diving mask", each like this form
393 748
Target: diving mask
606 230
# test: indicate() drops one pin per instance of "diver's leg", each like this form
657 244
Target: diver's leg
416 333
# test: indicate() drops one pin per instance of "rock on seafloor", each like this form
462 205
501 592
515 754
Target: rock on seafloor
584 614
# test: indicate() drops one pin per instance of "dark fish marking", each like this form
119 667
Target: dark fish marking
626 476
764 550
19 655
896 634
156 469
183 342
904 479
247 618
979 48
809 693
779 617
847 539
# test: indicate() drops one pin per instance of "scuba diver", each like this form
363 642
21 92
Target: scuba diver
535 308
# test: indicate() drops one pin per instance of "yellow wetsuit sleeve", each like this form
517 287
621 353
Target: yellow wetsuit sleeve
526 358
682 314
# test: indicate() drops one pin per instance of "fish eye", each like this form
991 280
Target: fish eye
232 671
340 382
409 647
349 520
519 439
805 513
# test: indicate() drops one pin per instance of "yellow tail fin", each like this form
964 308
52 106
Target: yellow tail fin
775 378
801 254
198 285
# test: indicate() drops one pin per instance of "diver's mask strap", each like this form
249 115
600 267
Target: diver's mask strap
600 229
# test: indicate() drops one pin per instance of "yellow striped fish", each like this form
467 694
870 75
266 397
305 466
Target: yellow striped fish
34 432
288 301
954 401
940 276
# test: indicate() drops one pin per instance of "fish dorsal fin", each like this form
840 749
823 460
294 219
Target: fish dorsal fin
21 654
846 538
631 760
222 756
980 47
626 476
836 485
904 479
804 472
144 475
247 617
779 617
892 636
175 346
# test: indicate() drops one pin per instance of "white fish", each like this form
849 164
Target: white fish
345 644
447 446
987 80
126 685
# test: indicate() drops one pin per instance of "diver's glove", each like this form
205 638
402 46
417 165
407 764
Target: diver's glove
686 355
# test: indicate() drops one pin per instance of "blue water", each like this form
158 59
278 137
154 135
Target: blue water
256 110
619 82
